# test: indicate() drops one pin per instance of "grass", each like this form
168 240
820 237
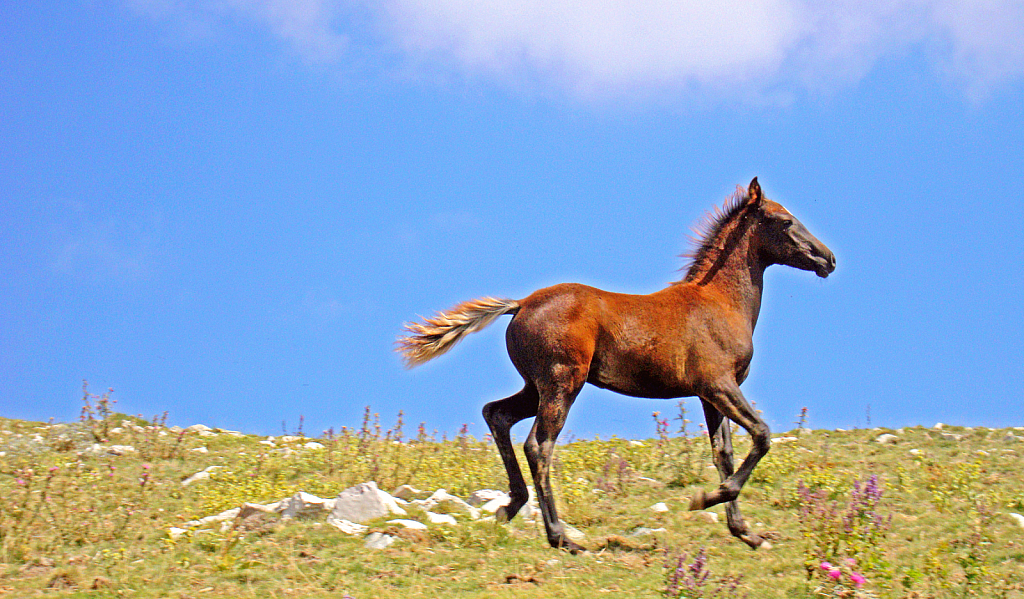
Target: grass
76 521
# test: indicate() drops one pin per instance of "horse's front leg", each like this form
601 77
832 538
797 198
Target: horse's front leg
720 436
729 401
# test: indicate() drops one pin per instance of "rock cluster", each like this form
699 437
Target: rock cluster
354 507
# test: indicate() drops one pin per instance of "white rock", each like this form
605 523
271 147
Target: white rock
573 533
951 436
221 517
289 438
203 474
443 502
365 502
887 439
915 451
636 444
314 445
248 509
441 519
176 532
347 527
482 496
659 507
784 439
1018 518
408 492
267 442
207 434
643 530
409 524
938 426
376 540
492 506
197 428
302 504
200 450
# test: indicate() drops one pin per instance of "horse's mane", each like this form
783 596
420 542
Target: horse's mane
708 239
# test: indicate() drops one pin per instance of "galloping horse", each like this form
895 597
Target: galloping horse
693 338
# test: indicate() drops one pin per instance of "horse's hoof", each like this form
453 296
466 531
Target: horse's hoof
501 515
698 500
755 542
571 547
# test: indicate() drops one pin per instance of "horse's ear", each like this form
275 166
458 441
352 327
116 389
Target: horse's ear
754 192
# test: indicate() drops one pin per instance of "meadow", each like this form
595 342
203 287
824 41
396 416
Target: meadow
926 513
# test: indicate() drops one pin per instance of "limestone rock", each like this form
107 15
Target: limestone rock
304 504
364 502
443 502
482 496
408 524
441 519
492 506
887 439
376 540
346 526
659 507
408 493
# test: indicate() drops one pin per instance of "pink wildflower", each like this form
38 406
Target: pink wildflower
826 566
835 574
857 579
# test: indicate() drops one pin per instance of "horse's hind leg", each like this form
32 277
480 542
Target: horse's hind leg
500 416
540 447
721 451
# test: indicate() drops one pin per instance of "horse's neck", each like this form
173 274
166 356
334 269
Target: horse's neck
740 278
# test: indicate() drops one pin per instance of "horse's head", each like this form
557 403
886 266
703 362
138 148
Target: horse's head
782 239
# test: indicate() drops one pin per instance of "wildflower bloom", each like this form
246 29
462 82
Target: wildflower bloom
835 574
857 579
826 566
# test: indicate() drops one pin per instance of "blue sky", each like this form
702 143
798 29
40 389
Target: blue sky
226 210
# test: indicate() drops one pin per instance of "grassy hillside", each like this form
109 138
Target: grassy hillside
925 516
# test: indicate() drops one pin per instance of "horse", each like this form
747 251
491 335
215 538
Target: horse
692 338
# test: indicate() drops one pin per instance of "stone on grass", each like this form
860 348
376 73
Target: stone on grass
408 524
951 436
887 439
650 482
314 445
304 504
203 474
376 540
1018 519
408 493
441 519
492 506
482 496
573 533
443 502
659 507
346 526
365 502
643 530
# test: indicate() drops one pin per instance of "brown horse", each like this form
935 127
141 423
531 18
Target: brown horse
693 338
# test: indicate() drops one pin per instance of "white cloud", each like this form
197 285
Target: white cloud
617 48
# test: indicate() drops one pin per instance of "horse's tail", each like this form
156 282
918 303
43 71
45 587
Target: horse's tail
434 336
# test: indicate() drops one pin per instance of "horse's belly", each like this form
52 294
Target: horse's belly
641 382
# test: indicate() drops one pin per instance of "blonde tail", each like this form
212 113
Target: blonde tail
434 336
